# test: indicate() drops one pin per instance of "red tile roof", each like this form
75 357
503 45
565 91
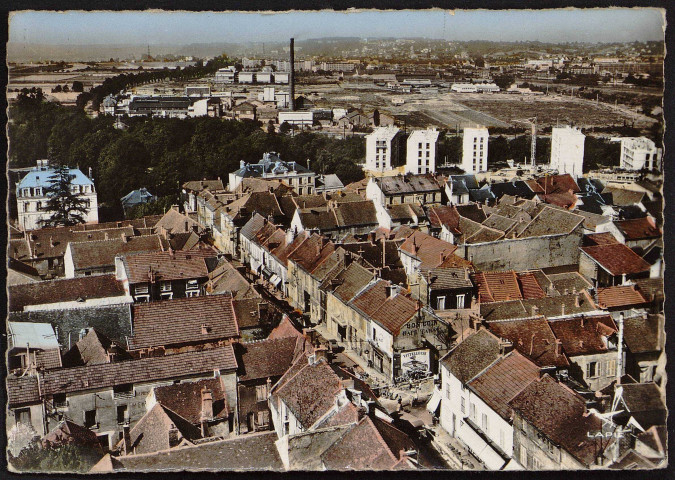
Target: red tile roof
617 259
584 335
102 253
70 433
497 286
182 321
429 250
266 358
561 415
151 433
638 228
312 252
604 238
167 265
530 286
619 296
389 312
63 290
285 329
503 380
22 391
533 338
554 184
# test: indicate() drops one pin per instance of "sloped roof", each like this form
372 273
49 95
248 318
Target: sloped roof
644 334
67 432
584 335
617 259
266 358
503 380
38 335
407 184
151 433
185 398
184 320
198 185
430 250
561 415
533 338
175 222
551 221
638 228
92 349
497 286
180 265
102 253
351 280
619 296
449 278
472 355
284 329
251 452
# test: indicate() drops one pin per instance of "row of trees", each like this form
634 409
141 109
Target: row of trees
161 153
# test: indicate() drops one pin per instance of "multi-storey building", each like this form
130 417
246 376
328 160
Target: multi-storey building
31 195
382 149
475 149
567 150
421 151
638 153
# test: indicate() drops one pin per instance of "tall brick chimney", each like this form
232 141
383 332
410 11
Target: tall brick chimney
291 78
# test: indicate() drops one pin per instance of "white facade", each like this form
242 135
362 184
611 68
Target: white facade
31 196
463 88
567 151
381 149
246 77
226 75
638 153
281 77
475 150
459 404
421 151
297 118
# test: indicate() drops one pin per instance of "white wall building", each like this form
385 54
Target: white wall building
226 75
638 153
382 149
31 196
463 88
567 150
475 149
297 118
421 151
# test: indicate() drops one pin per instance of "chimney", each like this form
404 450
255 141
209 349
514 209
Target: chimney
205 329
125 239
558 347
207 404
534 310
175 207
291 78
174 438
51 242
562 313
187 226
577 301
319 353
91 174
126 429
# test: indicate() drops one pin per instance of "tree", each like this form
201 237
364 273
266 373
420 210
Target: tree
67 208
78 86
284 128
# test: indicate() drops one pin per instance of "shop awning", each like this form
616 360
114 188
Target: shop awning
434 402
480 447
275 279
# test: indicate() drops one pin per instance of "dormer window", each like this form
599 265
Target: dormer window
165 286
192 285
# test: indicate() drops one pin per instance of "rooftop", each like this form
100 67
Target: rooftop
617 259
102 253
472 355
185 398
163 266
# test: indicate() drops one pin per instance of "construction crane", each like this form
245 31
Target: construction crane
532 122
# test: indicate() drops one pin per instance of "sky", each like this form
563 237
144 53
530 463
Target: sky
172 28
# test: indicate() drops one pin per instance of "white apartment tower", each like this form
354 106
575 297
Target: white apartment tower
382 149
638 153
475 150
421 151
567 150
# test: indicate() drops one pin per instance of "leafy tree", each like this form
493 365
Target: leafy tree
284 128
55 459
66 208
78 86
56 89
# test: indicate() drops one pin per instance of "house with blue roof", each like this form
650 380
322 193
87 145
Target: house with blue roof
31 194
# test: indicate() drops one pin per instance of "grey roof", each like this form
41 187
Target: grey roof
252 227
402 184
472 355
461 184
552 221
137 197
449 278
270 164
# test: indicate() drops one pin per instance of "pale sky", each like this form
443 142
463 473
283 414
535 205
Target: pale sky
156 28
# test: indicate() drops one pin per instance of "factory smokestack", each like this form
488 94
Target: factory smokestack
292 76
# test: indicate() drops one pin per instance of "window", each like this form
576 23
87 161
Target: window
523 456
140 289
472 411
90 419
610 368
22 415
440 303
447 390
263 418
261 393
123 391
460 301
122 414
60 400
484 422
591 369
192 293
462 405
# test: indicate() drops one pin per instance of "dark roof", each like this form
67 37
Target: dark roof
252 452
407 184
68 432
199 185
102 253
64 290
266 358
632 460
644 334
308 390
572 304
143 370
568 281
463 183
584 335
351 280
622 197
181 265
643 397
184 320
638 228
472 355
284 329
449 278
593 239
22 390
503 380
516 188
252 227
552 221
151 433
561 415
92 349
533 338
185 398
247 312
617 259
